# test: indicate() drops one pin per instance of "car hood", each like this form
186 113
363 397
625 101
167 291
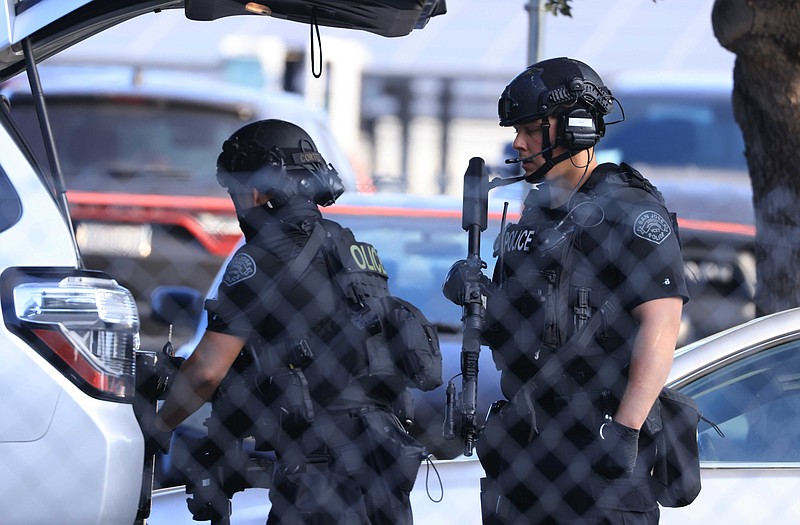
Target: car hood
50 26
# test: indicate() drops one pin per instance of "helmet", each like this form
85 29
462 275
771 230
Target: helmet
563 87
280 159
547 85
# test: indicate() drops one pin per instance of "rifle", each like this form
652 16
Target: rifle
220 464
154 371
220 467
473 220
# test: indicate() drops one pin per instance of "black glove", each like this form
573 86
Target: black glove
453 286
617 448
155 440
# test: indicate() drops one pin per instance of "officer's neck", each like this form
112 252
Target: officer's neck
572 175
253 220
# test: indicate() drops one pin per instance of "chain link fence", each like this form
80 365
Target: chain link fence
752 401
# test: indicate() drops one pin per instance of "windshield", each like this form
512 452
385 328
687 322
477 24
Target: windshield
676 130
133 145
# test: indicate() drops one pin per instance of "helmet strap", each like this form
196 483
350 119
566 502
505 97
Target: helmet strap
546 146
549 163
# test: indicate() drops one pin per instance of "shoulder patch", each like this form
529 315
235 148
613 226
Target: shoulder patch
241 267
651 226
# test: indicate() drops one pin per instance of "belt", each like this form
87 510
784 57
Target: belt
338 414
336 427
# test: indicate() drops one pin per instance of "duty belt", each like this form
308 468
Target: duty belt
337 427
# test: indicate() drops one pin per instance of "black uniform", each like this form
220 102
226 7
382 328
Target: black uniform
613 247
343 457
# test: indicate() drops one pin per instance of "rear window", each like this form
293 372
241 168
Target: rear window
10 205
133 145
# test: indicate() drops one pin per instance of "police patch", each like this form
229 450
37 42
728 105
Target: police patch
241 267
651 226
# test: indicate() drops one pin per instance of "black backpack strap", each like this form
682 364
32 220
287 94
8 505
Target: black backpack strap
622 175
637 180
306 255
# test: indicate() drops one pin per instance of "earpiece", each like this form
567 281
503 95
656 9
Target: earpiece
578 129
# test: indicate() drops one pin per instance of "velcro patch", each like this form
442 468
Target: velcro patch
651 226
241 267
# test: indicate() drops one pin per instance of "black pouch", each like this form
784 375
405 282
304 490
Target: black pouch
414 344
673 423
316 495
393 452
290 400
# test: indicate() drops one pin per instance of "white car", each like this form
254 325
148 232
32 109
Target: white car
746 380
71 448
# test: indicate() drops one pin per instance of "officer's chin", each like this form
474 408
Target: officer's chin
529 167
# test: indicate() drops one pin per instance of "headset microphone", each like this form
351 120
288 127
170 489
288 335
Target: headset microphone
529 157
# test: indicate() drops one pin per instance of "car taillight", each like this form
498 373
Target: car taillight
85 323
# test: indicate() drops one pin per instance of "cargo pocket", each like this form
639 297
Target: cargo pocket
393 453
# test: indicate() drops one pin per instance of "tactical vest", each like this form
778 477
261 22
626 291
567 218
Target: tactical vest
548 286
306 354
400 345
352 330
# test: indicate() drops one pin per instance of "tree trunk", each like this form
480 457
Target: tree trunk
765 36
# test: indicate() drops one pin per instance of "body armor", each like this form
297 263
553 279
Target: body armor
555 276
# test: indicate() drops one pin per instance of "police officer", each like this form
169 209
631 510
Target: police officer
342 455
592 278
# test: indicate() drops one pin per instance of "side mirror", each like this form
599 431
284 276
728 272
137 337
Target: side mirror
177 306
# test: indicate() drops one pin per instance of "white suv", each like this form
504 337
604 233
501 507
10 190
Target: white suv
67 378
71 448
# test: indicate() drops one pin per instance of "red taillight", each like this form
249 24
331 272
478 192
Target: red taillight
87 326
114 384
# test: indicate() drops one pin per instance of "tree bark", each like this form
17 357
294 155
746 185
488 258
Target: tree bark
765 36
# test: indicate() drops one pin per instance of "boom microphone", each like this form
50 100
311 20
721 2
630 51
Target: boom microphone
529 157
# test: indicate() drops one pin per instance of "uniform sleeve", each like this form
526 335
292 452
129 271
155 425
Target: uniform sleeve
244 294
650 258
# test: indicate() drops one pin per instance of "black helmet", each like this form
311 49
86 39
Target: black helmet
547 85
280 159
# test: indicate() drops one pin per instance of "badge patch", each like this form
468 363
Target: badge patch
651 226
241 267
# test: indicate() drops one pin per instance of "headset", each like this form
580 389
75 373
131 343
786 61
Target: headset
279 172
580 128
